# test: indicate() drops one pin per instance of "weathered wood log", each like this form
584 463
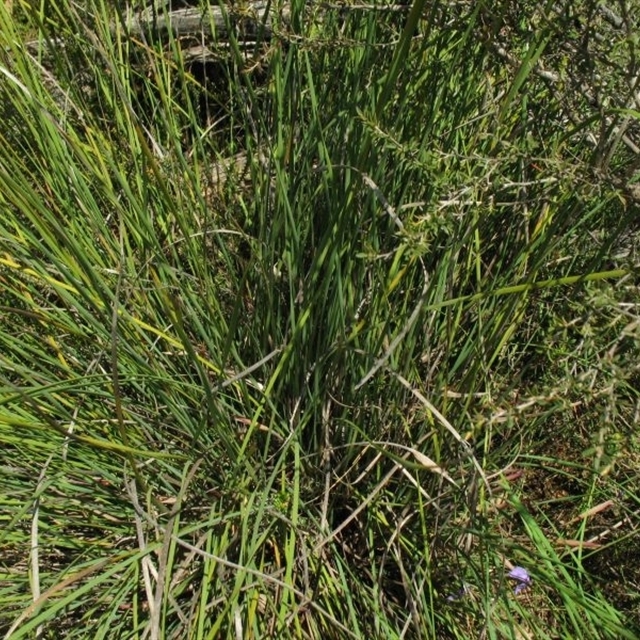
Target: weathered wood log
205 32
252 21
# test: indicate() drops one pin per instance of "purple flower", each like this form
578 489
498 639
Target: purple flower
523 578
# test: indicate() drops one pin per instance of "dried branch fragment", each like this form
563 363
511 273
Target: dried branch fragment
251 22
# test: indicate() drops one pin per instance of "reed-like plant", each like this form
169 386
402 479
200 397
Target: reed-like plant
327 329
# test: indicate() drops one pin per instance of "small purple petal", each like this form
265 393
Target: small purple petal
522 576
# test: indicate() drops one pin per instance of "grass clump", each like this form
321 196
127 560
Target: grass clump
323 329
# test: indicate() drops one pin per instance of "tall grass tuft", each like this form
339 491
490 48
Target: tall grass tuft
320 330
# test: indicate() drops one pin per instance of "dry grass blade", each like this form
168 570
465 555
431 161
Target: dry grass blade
55 590
448 426
430 465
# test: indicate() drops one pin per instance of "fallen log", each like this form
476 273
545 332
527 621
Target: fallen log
252 21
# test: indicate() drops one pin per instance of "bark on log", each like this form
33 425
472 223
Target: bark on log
251 22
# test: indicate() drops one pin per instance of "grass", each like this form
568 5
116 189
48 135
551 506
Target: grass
324 337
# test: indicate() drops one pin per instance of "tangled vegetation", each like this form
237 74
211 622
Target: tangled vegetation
319 320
